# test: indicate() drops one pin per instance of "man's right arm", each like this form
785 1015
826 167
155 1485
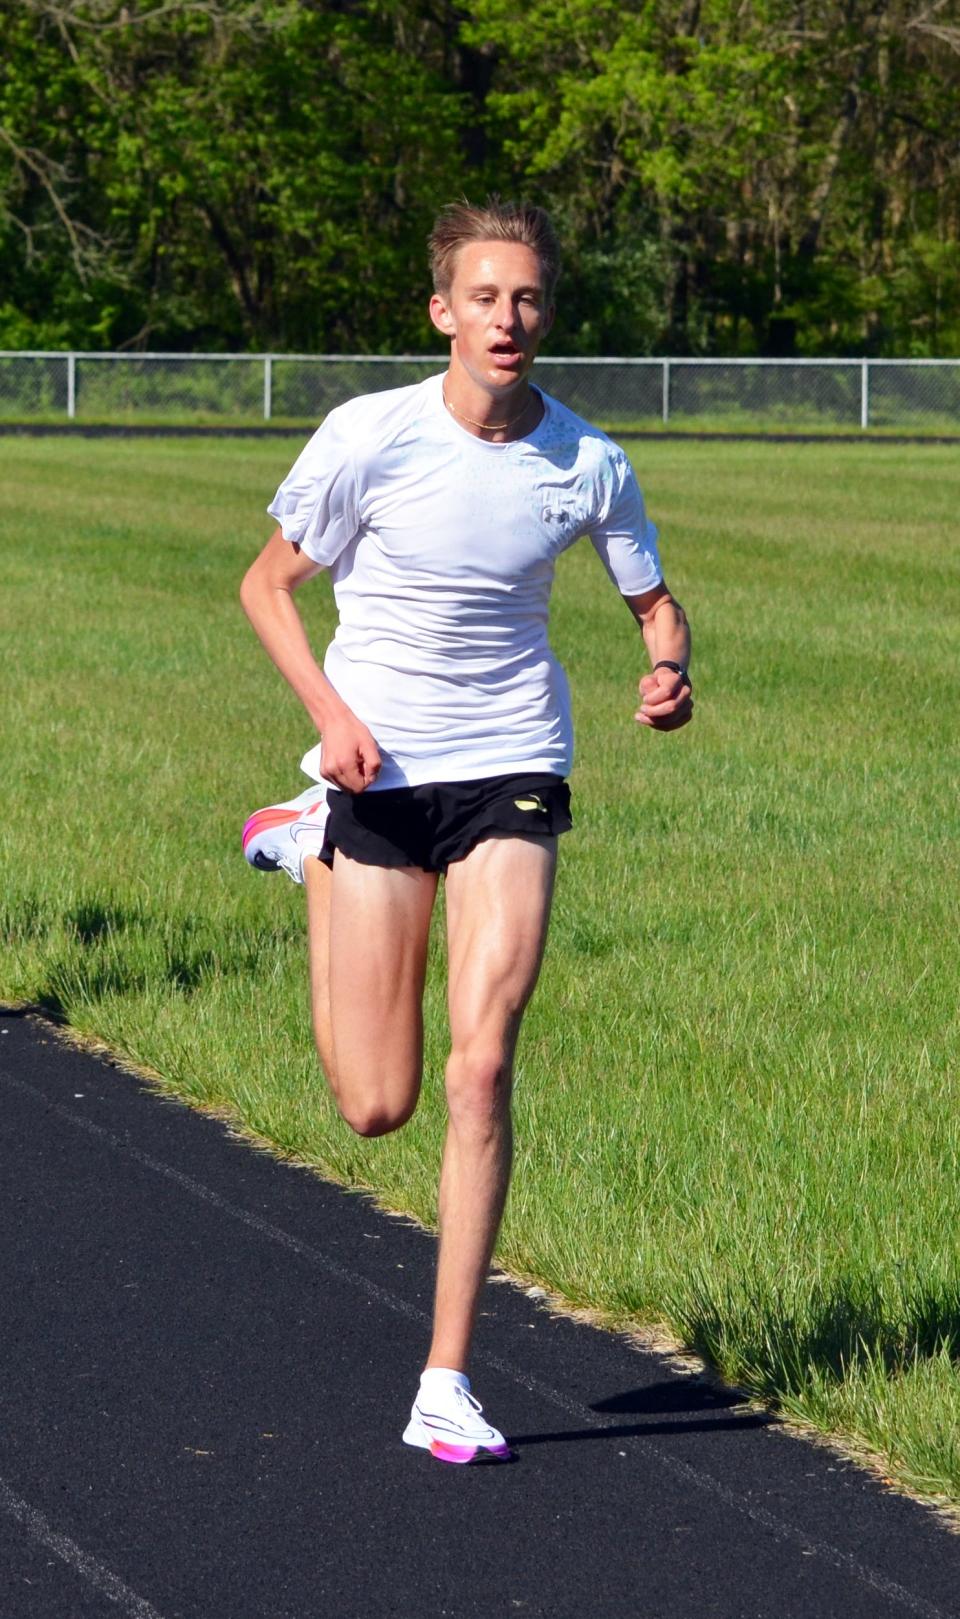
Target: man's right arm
350 758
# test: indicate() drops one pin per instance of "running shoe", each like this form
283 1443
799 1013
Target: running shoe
448 1421
277 837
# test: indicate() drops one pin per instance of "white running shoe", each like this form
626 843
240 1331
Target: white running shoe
281 834
448 1421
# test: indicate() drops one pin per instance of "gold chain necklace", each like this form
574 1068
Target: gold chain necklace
488 427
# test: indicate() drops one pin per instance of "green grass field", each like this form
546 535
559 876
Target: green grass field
738 1102
918 425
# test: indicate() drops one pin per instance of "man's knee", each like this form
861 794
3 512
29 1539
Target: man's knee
374 1116
371 1108
478 1084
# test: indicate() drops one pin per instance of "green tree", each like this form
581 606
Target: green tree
776 159
239 173
728 175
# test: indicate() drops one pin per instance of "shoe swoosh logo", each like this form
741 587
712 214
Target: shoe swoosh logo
302 824
434 1419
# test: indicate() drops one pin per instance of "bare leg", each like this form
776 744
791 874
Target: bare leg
498 907
379 926
317 881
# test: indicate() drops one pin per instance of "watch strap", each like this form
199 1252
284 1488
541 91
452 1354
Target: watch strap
668 663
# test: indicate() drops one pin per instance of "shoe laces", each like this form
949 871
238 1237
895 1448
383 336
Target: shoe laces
468 1399
465 1409
471 1412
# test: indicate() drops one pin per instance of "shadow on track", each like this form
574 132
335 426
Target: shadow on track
692 1396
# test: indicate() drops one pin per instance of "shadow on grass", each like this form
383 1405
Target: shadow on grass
93 979
99 948
887 1324
91 920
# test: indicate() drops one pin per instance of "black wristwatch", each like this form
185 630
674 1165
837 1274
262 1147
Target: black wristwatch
678 669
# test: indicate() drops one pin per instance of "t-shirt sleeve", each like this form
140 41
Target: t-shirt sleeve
624 537
318 504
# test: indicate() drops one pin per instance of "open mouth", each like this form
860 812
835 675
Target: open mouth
505 354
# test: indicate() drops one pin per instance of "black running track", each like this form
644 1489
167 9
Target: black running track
207 1361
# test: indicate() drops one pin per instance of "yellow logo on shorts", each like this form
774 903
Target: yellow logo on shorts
531 803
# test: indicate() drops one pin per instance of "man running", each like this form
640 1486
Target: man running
440 511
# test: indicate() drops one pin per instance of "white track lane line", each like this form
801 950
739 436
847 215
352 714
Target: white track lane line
92 1570
693 1476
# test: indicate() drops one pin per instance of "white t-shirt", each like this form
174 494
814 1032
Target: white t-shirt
442 549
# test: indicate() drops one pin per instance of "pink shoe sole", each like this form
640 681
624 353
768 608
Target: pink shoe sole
461 1454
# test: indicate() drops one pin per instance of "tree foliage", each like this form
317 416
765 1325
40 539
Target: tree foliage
730 176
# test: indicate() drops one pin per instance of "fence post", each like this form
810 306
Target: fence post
267 386
71 386
665 410
864 394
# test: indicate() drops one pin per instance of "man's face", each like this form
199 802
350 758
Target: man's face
496 312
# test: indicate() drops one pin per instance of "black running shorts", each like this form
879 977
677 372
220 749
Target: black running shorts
432 825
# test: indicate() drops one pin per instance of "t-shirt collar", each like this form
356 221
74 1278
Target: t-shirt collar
435 386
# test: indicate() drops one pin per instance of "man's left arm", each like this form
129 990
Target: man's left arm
666 696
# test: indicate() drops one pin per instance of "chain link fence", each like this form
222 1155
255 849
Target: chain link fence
622 395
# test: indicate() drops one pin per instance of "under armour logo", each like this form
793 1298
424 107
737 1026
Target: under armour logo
564 521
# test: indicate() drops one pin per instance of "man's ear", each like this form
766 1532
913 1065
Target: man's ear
441 316
548 318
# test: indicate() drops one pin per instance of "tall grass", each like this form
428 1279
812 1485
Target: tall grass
738 1099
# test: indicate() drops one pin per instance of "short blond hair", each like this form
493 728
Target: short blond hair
496 221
